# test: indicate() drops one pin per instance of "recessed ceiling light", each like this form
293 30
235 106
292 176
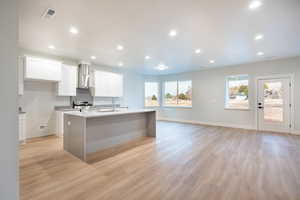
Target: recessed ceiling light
258 37
172 33
147 57
121 64
51 47
260 53
197 51
93 57
212 61
255 4
161 67
120 47
74 30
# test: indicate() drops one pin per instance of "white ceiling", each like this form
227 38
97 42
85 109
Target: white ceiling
223 29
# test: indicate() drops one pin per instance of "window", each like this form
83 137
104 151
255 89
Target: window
237 96
151 94
178 93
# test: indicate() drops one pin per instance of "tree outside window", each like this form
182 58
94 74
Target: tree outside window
237 92
151 94
178 93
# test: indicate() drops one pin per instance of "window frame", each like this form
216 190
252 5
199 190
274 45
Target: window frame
226 96
158 94
177 90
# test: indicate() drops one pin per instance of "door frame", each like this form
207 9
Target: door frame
276 76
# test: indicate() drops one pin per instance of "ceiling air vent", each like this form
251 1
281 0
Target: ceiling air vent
49 13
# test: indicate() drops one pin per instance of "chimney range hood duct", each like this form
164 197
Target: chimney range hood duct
84 75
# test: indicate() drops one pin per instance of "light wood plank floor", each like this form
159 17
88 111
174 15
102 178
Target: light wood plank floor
184 162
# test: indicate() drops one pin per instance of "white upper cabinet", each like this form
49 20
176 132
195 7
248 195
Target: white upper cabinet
68 84
42 69
117 85
107 84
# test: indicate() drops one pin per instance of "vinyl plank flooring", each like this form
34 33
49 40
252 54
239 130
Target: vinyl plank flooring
190 162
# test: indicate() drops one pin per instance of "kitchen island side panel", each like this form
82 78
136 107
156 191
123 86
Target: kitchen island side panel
109 131
75 136
151 124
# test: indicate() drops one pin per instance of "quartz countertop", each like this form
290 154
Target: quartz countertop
95 114
69 108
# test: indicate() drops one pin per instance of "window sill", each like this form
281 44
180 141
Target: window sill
240 109
151 106
188 107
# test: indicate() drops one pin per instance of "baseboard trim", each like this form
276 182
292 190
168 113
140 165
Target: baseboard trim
296 132
208 123
40 136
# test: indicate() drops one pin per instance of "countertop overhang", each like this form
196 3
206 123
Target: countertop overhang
95 114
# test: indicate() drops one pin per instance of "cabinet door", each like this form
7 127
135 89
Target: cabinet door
116 85
68 84
32 68
102 82
108 84
52 70
59 123
42 69
22 127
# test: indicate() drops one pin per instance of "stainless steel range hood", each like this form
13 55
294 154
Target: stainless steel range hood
84 75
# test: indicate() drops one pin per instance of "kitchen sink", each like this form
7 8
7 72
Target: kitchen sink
108 110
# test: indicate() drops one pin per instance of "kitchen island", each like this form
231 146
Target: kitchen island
92 131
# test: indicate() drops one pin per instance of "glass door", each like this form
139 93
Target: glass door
274 106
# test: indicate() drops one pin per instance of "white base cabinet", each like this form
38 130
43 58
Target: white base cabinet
59 123
22 128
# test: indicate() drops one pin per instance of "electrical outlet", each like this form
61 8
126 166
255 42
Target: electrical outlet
43 126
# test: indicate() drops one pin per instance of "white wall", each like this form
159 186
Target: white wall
38 101
208 95
40 98
133 90
209 92
9 175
